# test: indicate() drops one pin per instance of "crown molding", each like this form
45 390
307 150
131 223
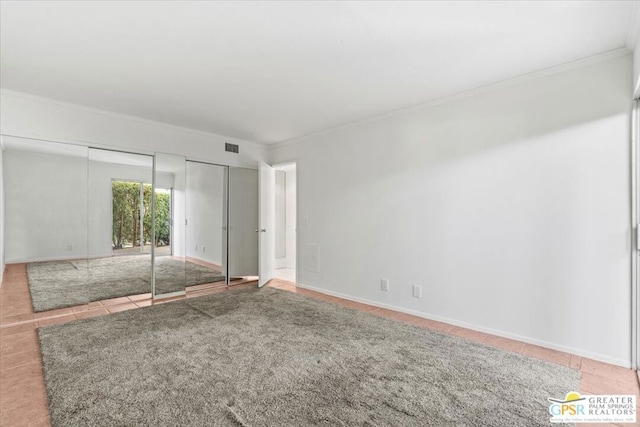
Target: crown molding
55 102
523 78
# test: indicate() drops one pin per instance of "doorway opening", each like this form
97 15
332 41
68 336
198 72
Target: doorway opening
285 222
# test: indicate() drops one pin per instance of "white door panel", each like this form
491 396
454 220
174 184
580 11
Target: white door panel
267 223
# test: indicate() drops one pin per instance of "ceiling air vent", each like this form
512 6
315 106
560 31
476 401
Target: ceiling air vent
232 148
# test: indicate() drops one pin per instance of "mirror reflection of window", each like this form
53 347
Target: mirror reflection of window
120 232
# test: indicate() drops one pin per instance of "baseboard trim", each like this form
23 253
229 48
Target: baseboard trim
496 332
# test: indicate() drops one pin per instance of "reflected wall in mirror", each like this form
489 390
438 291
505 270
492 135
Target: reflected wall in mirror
206 225
46 207
119 224
169 216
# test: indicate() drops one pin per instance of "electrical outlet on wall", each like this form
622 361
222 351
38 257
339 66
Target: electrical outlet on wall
204 248
70 247
196 247
417 291
384 284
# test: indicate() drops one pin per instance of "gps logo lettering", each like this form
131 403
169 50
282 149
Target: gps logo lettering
570 406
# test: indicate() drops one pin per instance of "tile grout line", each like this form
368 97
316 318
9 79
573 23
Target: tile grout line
24 322
39 362
200 292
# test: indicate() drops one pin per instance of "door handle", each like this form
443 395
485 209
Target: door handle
262 230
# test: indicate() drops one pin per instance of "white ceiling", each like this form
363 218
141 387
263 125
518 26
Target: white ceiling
273 71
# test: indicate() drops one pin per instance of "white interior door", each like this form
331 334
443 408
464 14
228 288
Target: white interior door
266 230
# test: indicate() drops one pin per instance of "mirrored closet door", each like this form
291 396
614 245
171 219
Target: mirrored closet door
206 228
94 224
170 209
45 200
119 224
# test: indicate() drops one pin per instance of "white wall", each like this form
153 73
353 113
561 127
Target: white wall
636 55
34 117
636 70
204 198
633 43
290 188
179 242
636 67
509 207
45 206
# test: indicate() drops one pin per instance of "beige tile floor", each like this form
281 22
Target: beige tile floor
23 399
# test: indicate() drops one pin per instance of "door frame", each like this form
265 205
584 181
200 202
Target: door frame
297 223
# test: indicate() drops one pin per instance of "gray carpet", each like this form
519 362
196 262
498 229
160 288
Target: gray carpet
265 357
57 284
